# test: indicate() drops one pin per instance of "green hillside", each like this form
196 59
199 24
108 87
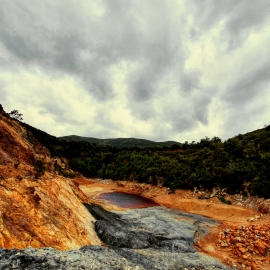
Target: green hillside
239 162
119 142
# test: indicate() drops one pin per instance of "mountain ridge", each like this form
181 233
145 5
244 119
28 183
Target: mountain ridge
240 163
120 142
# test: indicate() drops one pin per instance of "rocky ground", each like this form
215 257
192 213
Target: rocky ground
89 257
240 240
38 208
148 238
42 213
250 245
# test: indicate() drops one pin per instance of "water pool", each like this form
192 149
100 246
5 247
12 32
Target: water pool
127 200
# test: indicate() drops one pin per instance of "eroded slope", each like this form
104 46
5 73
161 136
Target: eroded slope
37 209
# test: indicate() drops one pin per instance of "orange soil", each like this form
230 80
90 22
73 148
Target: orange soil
44 212
230 217
37 210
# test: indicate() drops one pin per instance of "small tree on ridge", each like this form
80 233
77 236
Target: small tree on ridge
16 115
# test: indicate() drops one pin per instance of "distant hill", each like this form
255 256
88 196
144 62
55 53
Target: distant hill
120 142
239 164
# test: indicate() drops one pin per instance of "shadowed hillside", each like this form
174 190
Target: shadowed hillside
240 164
120 142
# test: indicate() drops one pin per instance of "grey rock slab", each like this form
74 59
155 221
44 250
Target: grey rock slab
171 224
148 238
175 260
85 258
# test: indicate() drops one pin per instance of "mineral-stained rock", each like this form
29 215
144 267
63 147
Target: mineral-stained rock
253 245
115 235
264 207
168 236
19 145
242 250
97 257
43 213
261 246
37 211
115 232
50 259
162 238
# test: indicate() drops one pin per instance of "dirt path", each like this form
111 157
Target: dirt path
236 241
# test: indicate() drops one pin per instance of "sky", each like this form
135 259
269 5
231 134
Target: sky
155 69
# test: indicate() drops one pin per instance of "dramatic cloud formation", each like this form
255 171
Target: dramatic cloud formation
162 70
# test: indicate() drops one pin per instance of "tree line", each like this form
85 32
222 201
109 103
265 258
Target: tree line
243 160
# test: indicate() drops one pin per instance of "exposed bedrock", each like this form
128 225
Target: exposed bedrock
96 257
148 238
155 236
154 227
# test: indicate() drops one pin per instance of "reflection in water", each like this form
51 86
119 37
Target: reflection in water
127 200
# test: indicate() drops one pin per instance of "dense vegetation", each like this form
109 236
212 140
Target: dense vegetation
241 160
119 142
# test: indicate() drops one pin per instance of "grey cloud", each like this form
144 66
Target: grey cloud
142 89
21 47
184 119
64 38
3 92
51 109
201 109
19 32
244 119
193 108
246 17
182 123
237 14
194 34
189 82
59 51
240 17
144 111
104 124
207 13
58 111
65 54
248 86
110 39
248 14
162 58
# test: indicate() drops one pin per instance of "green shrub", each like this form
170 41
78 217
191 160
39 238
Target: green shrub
223 200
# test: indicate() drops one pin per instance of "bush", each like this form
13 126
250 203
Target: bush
223 200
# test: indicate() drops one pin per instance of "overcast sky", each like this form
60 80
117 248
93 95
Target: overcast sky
154 69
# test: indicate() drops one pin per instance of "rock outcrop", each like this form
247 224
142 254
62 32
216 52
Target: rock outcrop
37 209
19 145
249 244
138 239
155 237
93 257
264 207
43 213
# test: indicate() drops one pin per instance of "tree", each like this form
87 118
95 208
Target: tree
16 115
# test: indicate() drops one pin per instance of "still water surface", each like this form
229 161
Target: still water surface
127 200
